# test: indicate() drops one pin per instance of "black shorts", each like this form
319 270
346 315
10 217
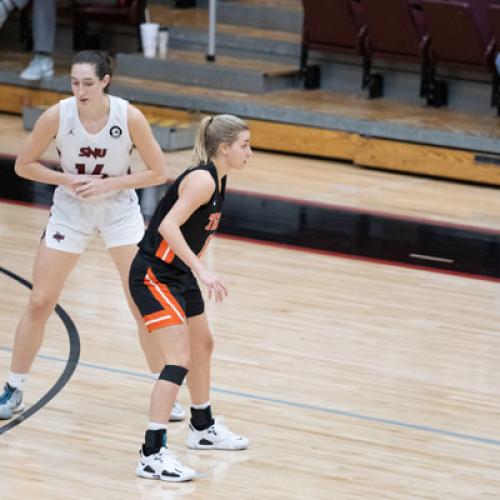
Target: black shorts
164 295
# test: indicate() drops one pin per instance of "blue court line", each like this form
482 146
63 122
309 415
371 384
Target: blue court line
293 404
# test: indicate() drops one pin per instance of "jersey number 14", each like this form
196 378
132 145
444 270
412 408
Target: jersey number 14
80 169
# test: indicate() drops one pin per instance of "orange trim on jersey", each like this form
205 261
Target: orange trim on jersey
172 313
164 252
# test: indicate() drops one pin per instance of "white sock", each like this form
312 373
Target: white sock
17 380
156 375
156 426
202 406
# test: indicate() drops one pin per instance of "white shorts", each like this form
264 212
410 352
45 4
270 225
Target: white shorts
73 222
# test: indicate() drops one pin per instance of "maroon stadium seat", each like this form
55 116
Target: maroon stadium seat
125 12
332 26
461 34
397 30
495 23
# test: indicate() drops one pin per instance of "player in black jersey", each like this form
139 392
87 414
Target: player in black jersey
163 284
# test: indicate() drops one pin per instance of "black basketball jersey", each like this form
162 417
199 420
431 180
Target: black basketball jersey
197 230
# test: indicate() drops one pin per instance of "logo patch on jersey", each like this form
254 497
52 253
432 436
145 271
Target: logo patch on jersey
115 131
87 152
58 236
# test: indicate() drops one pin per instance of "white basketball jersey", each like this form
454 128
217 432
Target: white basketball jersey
105 153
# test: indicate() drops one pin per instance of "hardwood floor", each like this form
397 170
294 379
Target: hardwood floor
353 380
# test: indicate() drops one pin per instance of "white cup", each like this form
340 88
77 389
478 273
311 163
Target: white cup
163 42
149 38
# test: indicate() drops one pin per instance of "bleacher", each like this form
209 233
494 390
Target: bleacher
406 85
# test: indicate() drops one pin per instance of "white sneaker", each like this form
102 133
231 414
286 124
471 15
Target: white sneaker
216 437
178 413
41 66
163 465
11 401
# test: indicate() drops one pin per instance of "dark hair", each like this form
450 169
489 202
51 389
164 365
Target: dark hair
100 60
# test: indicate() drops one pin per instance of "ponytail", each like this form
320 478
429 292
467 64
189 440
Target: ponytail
214 131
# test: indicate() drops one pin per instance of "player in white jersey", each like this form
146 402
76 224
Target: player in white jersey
94 134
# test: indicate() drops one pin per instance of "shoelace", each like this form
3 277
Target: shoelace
6 395
220 429
167 454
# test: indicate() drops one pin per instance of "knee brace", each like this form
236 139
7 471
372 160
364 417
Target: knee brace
174 374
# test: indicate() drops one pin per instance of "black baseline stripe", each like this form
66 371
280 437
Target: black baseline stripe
362 234
71 364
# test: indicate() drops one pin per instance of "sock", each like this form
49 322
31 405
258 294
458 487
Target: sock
201 418
17 380
202 406
154 440
156 426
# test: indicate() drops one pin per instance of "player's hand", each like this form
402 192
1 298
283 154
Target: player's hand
90 186
215 286
76 181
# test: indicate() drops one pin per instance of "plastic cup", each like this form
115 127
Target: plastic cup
163 42
149 38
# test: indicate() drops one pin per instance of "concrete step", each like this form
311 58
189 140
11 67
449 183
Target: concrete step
264 14
226 73
245 45
172 135
189 31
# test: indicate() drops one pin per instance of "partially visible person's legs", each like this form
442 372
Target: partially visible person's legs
7 6
44 30
204 431
122 257
51 270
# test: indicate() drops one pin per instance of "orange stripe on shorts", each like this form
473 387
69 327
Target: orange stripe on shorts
172 313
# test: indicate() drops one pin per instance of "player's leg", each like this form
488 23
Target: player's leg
204 432
202 346
156 461
50 272
163 315
122 257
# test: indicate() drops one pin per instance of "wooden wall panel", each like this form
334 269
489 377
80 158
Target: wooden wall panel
304 140
428 160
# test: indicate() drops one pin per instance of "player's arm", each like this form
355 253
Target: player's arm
195 190
150 151
27 162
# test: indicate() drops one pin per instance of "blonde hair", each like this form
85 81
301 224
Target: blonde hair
214 131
